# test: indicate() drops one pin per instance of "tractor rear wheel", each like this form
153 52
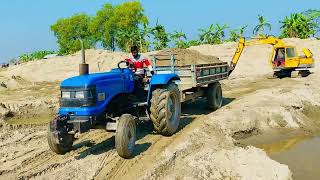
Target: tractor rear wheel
166 109
59 141
125 137
214 96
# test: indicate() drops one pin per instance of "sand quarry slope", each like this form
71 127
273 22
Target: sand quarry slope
204 147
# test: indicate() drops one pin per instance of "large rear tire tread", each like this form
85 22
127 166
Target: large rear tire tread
214 96
159 109
126 130
64 146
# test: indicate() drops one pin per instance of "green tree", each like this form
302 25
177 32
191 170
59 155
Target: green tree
111 22
144 42
179 39
69 30
260 28
298 25
315 16
236 34
214 34
160 36
126 38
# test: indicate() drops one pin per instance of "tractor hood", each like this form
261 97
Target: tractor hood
89 80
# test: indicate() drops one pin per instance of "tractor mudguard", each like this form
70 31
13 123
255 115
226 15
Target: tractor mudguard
162 79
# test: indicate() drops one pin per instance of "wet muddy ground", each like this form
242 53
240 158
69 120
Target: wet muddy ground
297 149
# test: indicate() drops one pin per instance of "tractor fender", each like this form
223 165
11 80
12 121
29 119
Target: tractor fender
163 79
158 80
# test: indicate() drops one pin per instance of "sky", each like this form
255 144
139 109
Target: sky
25 25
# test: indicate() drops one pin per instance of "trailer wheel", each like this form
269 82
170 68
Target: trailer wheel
59 142
125 137
166 109
214 96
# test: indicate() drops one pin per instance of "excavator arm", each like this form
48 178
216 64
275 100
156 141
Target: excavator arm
260 40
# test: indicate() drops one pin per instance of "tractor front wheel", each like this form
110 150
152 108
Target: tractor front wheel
125 137
59 140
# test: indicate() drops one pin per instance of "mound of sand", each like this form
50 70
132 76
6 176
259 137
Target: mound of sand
59 68
184 57
252 63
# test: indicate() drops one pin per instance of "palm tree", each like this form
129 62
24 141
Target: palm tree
263 23
242 29
236 34
178 36
127 37
161 37
143 39
214 35
298 25
205 34
179 39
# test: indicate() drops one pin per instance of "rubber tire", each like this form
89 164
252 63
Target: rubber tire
126 124
214 96
160 112
59 148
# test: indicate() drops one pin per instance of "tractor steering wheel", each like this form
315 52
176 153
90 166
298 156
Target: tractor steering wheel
122 62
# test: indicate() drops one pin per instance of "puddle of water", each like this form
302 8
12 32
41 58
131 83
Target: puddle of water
301 154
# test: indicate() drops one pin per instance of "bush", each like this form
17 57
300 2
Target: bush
34 56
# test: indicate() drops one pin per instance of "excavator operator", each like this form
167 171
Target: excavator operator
280 57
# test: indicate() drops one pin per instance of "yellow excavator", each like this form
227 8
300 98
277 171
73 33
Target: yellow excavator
284 58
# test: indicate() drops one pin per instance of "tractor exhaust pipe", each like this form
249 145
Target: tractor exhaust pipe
83 67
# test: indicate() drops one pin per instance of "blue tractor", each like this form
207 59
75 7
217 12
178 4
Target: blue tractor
109 101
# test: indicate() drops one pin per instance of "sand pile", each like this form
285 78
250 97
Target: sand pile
252 63
59 68
223 51
184 57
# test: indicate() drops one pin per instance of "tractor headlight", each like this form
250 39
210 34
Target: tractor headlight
79 95
65 95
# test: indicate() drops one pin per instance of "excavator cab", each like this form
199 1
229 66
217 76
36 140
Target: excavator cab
285 57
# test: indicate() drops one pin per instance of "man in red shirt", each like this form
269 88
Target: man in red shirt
137 62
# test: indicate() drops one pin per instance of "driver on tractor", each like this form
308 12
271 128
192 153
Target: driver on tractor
136 62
